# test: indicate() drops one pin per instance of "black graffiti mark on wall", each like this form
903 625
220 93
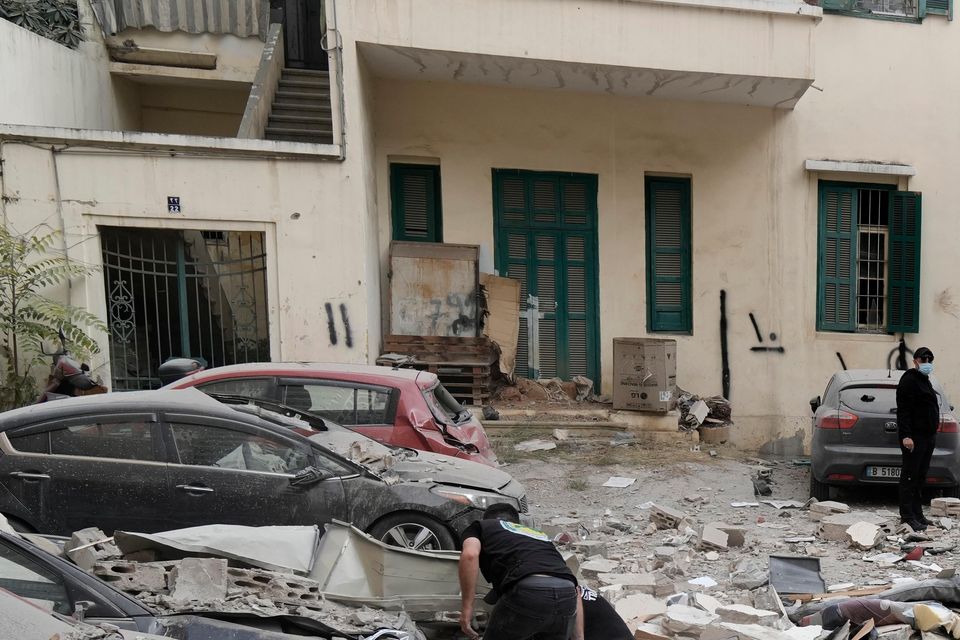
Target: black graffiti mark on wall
763 348
348 338
332 325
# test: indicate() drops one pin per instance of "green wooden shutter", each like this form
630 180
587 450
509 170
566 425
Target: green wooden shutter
415 200
669 286
904 285
938 7
836 263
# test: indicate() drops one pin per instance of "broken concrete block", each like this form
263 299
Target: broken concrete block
633 582
743 614
736 536
826 508
711 556
591 548
132 577
665 517
89 546
754 632
640 607
945 507
200 579
684 619
705 602
864 535
834 527
665 553
561 434
749 575
650 632
595 566
713 539
535 445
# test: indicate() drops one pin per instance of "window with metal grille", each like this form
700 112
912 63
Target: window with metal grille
415 202
910 10
669 261
868 259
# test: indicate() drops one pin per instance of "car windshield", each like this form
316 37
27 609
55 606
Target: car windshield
444 406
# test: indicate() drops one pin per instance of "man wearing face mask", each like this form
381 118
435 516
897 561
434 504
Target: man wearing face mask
918 415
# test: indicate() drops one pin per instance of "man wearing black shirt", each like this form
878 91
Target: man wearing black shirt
918 416
538 593
600 621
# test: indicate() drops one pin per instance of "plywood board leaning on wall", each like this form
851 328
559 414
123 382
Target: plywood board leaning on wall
503 322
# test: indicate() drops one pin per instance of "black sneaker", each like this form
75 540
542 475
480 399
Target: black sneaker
915 525
922 520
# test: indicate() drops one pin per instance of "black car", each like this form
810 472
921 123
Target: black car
855 438
161 460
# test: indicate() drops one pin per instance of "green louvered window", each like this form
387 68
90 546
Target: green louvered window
669 264
868 259
415 202
904 10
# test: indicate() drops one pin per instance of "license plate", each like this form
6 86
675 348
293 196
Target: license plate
883 472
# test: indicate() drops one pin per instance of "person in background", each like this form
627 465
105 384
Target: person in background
918 416
600 621
537 591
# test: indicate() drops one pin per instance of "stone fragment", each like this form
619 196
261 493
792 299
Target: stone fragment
743 614
535 445
665 517
945 507
89 546
754 632
688 620
749 575
132 577
711 556
665 553
640 607
826 508
561 434
864 535
200 579
713 539
736 536
834 527
591 547
595 566
705 602
650 632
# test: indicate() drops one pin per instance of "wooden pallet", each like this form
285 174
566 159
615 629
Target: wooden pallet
463 365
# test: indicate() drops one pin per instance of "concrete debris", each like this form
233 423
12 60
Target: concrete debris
834 527
651 632
706 602
826 508
748 574
945 507
535 445
593 567
132 576
687 620
665 517
704 581
639 608
590 548
619 482
784 504
736 536
199 579
561 434
744 614
864 535
713 539
86 547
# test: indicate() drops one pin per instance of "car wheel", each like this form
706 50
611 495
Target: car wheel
818 490
413 531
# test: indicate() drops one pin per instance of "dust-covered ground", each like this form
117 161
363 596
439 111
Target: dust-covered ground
567 483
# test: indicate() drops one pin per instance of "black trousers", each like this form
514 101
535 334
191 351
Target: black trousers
535 609
913 476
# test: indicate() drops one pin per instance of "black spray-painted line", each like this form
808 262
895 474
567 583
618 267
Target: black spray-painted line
769 349
346 326
756 327
842 363
724 354
331 326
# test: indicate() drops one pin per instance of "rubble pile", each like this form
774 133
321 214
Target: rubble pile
697 412
677 571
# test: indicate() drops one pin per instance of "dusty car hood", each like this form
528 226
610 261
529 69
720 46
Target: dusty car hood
410 465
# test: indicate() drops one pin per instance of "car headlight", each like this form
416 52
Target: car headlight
476 499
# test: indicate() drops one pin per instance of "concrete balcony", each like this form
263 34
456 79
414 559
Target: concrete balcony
751 52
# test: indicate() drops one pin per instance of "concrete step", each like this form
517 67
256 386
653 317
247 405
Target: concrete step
312 122
298 135
307 73
301 98
311 85
293 109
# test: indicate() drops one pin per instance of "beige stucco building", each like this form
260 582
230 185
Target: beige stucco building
629 160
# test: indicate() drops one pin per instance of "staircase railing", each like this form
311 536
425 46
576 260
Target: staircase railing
257 111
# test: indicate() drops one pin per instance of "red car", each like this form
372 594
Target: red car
399 407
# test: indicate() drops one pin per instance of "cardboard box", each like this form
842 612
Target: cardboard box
644 374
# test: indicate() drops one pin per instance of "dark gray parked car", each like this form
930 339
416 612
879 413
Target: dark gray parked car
160 460
855 435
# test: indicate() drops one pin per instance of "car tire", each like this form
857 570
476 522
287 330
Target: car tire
414 531
818 490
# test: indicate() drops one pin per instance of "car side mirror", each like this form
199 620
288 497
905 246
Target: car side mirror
309 476
815 403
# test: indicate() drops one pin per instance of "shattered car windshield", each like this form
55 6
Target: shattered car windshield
360 449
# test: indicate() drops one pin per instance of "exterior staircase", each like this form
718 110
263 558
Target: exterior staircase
301 110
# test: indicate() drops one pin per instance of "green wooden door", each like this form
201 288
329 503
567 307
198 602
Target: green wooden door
546 236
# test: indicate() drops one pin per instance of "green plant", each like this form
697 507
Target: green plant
58 20
28 319
578 485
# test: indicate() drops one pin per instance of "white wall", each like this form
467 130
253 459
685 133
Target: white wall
48 84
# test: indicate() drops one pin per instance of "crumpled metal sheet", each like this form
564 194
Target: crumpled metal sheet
285 549
242 18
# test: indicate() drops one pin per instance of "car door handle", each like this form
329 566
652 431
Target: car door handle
194 489
29 475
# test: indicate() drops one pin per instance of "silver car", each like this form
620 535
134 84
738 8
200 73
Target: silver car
855 435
